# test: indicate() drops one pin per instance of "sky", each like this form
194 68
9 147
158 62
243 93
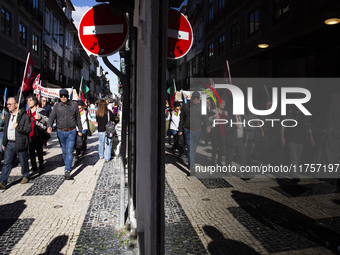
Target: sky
81 7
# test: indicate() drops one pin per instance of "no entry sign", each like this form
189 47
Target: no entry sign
179 35
100 32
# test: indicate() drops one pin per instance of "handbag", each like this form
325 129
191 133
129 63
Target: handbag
92 127
110 127
42 133
79 142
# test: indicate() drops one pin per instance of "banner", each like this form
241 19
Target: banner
50 93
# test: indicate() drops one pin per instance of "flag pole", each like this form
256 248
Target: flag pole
80 88
5 100
22 84
228 71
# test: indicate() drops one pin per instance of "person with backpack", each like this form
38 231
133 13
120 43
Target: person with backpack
38 118
81 141
104 116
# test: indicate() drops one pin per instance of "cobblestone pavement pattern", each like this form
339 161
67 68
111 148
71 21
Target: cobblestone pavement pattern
49 214
254 216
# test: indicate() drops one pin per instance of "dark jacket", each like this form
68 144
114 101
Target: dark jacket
67 116
102 121
21 132
191 117
231 132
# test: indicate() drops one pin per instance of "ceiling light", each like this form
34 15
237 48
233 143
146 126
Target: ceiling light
332 21
263 46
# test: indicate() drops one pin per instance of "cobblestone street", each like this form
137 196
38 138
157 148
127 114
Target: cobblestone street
52 216
253 216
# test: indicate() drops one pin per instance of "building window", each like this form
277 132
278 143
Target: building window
194 67
61 35
201 64
281 9
234 35
36 4
221 4
22 34
35 43
211 51
221 44
6 22
54 62
254 21
46 58
211 13
47 19
55 28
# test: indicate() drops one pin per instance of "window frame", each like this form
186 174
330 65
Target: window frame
221 45
234 35
6 22
36 51
256 25
23 34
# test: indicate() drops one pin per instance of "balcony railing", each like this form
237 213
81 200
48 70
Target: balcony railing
28 5
38 15
50 76
77 60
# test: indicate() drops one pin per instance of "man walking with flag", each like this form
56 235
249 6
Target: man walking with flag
67 115
15 141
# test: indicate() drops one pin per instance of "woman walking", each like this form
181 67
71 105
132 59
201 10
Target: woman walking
103 115
84 123
39 120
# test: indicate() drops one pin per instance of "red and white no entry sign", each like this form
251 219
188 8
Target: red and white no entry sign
179 35
100 32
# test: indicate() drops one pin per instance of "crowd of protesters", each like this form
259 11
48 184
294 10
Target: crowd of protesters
24 132
234 142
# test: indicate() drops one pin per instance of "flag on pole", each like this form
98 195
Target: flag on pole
172 99
172 88
5 96
39 93
70 98
83 89
28 74
36 82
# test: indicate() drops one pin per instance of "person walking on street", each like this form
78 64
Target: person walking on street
84 123
15 141
39 120
47 107
103 115
191 123
67 115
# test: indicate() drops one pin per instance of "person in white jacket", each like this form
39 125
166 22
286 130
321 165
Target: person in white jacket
84 123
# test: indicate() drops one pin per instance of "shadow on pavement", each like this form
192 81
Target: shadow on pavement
172 159
56 245
221 245
9 214
283 223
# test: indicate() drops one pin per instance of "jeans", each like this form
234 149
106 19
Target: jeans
240 151
295 152
1 137
9 157
102 142
67 139
191 138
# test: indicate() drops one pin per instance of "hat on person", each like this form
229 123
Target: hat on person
80 102
177 103
195 94
63 92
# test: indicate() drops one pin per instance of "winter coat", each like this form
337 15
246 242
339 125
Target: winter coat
21 132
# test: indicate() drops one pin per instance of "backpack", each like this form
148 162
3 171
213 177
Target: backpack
110 127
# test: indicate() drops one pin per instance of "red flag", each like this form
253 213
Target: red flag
28 76
36 82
